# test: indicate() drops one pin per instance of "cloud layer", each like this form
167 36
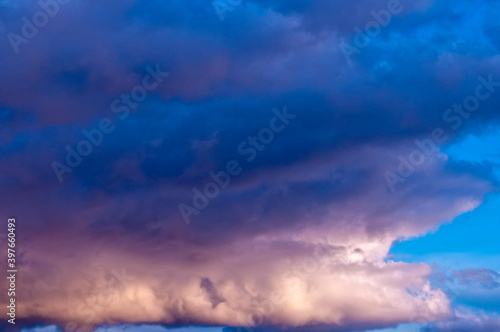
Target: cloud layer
298 239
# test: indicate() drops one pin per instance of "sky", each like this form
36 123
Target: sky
251 165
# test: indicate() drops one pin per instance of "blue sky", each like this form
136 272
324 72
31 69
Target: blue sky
469 240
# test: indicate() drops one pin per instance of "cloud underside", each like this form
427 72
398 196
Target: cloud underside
308 265
299 239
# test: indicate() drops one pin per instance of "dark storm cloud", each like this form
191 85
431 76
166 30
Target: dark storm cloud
322 175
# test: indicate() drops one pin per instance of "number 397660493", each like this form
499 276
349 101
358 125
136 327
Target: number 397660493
12 240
